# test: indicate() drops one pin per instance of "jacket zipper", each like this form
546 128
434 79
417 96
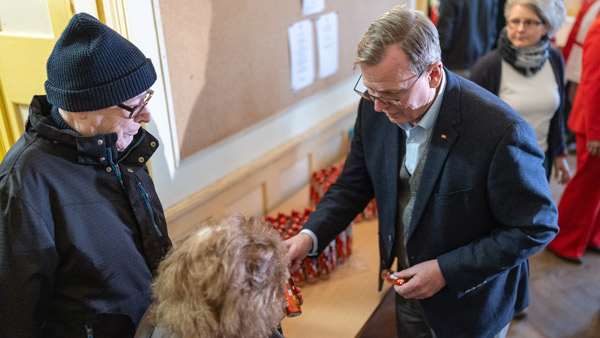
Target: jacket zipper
118 172
143 191
115 168
147 200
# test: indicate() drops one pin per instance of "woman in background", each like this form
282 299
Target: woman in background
518 72
579 207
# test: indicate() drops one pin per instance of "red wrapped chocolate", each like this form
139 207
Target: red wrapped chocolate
292 301
388 276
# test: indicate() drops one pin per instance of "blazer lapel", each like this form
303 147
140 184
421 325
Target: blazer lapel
392 150
391 139
442 139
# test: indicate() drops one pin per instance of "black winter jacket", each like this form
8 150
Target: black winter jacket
467 31
81 232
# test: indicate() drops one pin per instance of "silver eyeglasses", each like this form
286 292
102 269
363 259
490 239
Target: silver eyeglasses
135 110
528 24
386 100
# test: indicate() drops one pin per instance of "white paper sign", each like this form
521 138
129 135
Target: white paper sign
327 44
312 6
302 53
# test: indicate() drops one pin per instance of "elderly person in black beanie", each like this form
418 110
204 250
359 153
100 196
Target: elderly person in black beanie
81 228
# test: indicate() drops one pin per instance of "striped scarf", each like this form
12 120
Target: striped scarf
526 60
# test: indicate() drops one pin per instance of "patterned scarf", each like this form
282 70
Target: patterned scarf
526 60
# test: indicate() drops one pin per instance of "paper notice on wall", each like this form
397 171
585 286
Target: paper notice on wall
310 7
302 51
327 44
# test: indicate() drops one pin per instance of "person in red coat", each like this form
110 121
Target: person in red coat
579 207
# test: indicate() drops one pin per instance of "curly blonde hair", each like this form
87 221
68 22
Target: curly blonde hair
227 279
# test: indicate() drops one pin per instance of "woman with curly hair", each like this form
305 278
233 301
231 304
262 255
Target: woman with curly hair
227 279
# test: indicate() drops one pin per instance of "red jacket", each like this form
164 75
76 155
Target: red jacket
585 5
585 115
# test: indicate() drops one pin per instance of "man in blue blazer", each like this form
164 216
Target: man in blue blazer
462 195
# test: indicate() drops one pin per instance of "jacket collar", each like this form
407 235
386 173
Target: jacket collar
442 139
91 150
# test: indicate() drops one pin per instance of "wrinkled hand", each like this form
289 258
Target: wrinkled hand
562 174
593 147
297 248
426 279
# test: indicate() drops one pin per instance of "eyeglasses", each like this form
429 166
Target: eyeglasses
391 101
515 23
136 110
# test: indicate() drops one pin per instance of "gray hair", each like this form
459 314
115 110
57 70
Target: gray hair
411 30
552 12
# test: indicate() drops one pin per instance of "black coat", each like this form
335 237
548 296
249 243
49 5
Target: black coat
467 31
78 248
483 205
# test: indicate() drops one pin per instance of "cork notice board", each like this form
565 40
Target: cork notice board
229 61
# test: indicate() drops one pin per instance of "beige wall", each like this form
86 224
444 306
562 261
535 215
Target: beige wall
260 187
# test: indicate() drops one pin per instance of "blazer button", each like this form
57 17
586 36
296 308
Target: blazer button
390 238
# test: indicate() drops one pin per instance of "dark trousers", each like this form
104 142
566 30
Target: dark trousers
410 320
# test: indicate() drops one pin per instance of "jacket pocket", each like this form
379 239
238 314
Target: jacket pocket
455 197
453 208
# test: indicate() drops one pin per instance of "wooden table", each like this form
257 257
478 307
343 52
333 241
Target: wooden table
341 305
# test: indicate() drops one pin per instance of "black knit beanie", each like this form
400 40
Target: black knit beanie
93 67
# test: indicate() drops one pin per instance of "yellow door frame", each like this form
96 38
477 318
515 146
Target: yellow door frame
5 136
113 14
28 55
22 65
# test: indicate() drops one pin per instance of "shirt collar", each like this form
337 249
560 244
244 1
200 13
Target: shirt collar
428 120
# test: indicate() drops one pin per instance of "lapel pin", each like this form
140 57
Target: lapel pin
444 136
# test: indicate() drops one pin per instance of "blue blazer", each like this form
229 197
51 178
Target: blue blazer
482 208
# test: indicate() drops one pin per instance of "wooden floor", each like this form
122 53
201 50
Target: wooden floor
565 298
